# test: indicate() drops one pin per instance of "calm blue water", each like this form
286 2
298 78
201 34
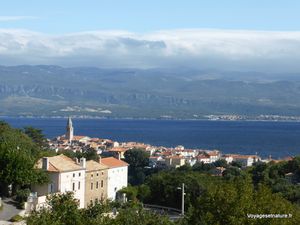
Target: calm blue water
276 138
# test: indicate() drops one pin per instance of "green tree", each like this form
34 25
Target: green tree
37 137
221 163
62 210
89 154
18 155
144 192
203 167
164 187
232 172
131 192
230 203
236 164
138 160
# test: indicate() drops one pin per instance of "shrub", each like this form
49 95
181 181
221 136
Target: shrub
16 218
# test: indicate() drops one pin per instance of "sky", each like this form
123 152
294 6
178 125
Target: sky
261 35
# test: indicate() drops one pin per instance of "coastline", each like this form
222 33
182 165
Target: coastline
149 118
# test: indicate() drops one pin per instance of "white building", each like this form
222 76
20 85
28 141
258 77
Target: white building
65 175
203 158
117 176
245 160
69 130
213 155
153 160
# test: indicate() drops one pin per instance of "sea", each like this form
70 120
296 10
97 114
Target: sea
265 138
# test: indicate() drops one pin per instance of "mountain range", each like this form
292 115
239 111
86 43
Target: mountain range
47 90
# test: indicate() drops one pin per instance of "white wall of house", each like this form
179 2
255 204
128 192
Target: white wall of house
228 159
191 161
46 189
204 160
63 182
117 179
73 181
214 158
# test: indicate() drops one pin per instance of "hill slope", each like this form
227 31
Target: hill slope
183 93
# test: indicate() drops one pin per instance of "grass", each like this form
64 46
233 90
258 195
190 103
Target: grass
16 218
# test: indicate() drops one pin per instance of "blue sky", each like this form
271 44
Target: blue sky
64 16
256 35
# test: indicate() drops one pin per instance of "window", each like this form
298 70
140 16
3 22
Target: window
91 186
51 188
79 174
102 183
102 173
92 175
97 174
73 174
73 186
78 185
97 184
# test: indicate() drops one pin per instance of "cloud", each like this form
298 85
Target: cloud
195 48
15 18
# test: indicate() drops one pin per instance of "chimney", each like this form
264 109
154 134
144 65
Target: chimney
45 163
76 160
100 159
83 162
119 156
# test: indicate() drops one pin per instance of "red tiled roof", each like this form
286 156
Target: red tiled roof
113 162
60 163
236 156
213 153
77 138
202 157
118 149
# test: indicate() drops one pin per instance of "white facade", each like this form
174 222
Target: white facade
203 159
214 158
117 179
228 159
74 181
65 175
246 161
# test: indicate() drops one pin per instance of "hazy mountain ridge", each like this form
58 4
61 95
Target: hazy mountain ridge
183 93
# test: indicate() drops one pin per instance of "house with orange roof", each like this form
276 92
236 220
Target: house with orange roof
214 155
119 152
65 175
117 176
245 160
203 158
81 139
175 161
153 160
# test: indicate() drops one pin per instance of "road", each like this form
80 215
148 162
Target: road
9 209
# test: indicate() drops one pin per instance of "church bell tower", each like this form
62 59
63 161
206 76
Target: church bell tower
69 130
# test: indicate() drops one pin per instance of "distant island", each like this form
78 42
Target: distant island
160 93
232 117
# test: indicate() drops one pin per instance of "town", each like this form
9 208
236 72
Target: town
92 181
92 172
